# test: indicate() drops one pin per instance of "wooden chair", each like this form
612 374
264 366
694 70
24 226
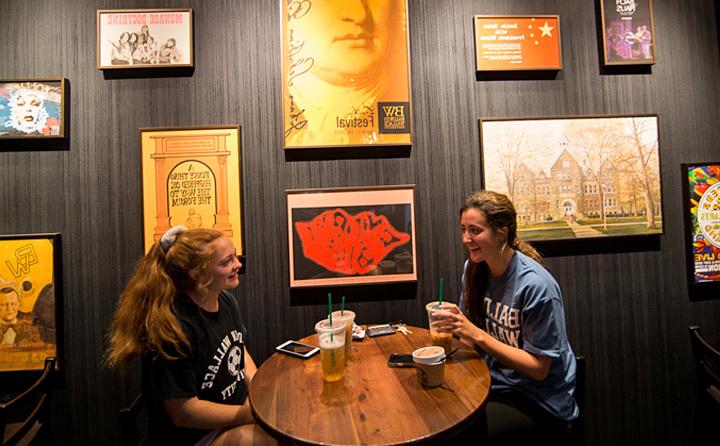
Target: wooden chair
577 426
707 406
132 423
36 401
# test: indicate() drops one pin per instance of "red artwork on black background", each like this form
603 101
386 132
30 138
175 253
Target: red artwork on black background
349 244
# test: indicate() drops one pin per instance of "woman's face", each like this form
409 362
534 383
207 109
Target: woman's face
224 265
483 243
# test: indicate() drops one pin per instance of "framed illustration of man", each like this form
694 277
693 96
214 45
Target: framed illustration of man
32 108
345 73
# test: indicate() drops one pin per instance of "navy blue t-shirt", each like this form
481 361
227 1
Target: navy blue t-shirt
214 371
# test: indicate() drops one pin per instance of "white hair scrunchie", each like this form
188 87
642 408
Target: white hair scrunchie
168 239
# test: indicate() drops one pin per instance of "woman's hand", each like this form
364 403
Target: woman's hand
451 320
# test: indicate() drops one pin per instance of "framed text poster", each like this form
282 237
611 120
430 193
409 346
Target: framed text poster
32 108
144 38
576 177
508 43
628 32
345 74
191 177
702 222
30 301
351 236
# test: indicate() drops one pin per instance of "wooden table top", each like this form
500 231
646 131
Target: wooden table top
374 403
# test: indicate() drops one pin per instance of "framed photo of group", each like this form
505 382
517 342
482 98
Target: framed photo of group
628 32
30 301
576 177
191 177
351 236
517 42
701 195
144 38
345 77
32 108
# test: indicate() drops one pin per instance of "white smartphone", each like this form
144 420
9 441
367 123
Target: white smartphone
298 349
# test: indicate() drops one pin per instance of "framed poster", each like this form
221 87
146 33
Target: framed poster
144 38
701 193
30 300
351 236
516 42
345 74
191 177
576 177
628 32
32 108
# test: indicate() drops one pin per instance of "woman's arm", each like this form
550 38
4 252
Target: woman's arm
200 414
529 364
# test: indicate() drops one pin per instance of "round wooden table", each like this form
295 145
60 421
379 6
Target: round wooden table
374 403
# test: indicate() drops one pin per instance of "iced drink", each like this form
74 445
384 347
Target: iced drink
349 317
443 340
332 348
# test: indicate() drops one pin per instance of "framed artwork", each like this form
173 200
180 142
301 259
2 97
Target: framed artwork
30 301
576 177
345 74
32 108
701 194
191 177
628 32
516 42
351 236
144 38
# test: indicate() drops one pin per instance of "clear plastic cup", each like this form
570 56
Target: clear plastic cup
443 340
349 318
332 348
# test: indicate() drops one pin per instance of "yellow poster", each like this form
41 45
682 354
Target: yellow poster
28 323
191 177
346 73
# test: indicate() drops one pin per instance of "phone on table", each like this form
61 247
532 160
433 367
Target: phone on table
400 360
379 330
298 349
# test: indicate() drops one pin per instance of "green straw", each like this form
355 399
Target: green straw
330 314
441 288
342 306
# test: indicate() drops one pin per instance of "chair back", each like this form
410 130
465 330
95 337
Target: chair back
36 400
132 423
707 408
577 426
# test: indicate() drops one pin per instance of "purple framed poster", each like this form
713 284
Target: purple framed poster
628 32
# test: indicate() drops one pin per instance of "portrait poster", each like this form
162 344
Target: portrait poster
144 38
508 43
345 74
628 32
30 300
576 177
192 177
351 236
702 218
32 108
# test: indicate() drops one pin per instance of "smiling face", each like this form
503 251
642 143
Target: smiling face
484 244
346 38
224 265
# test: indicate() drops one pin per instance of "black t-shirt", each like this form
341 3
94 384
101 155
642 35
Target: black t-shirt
214 371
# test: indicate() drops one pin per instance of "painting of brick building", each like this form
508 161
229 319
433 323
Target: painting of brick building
576 177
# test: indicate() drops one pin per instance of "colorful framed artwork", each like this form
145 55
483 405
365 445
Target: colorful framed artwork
628 32
701 194
351 236
32 108
191 176
517 42
345 74
30 301
144 38
576 177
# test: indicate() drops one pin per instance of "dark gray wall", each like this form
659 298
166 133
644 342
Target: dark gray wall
627 312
